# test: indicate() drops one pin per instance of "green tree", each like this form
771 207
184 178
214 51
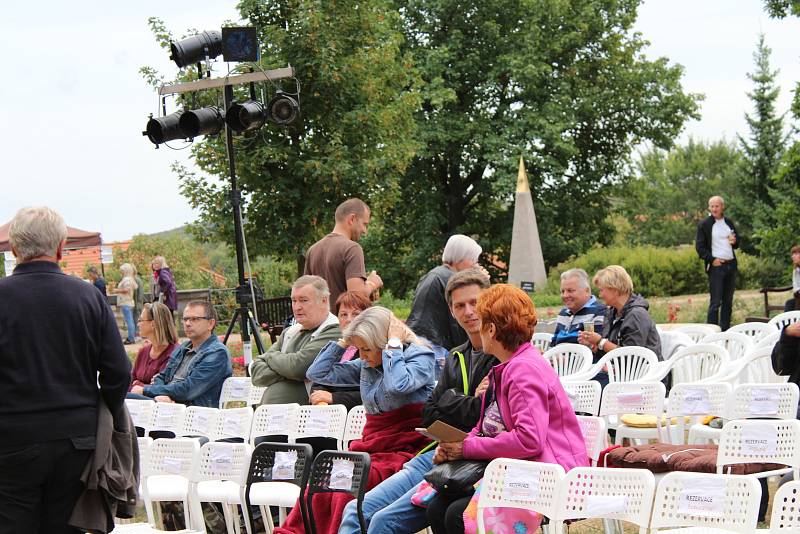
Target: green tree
667 196
565 84
355 135
781 8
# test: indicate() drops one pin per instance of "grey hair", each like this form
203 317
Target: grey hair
580 274
37 231
319 283
372 326
460 247
161 261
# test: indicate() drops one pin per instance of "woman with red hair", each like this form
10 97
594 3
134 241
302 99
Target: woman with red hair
525 412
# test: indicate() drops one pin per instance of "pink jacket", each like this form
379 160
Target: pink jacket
541 425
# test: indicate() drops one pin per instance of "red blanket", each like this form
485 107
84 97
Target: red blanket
390 440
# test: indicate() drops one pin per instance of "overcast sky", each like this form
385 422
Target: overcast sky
74 106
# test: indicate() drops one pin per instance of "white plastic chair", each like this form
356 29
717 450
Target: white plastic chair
672 342
695 401
753 330
708 502
624 364
167 417
692 364
569 358
736 343
634 398
141 413
697 331
256 394
584 396
535 487
780 321
541 340
199 421
166 475
755 367
219 475
275 420
235 389
234 423
780 445
768 340
748 401
595 435
354 426
322 421
785 509
599 492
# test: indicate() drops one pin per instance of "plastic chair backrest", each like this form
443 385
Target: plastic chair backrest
780 321
275 420
520 484
759 367
223 461
569 358
599 492
256 394
752 330
626 364
634 398
672 342
763 400
595 435
768 339
167 417
172 457
696 362
322 421
696 331
683 499
785 510
778 439
541 340
144 451
234 423
235 389
698 399
584 396
736 343
199 421
141 412
338 472
354 426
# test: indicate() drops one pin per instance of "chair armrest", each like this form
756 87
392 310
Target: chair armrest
586 374
774 289
658 372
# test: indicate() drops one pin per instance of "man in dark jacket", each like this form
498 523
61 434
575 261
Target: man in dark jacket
715 242
786 355
387 507
58 342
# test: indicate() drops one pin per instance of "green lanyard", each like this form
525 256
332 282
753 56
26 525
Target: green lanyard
431 445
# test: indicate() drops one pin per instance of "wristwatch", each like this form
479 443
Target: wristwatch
602 343
394 343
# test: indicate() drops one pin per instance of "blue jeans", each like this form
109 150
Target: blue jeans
387 507
127 314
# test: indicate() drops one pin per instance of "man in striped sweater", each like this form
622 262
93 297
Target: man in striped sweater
581 308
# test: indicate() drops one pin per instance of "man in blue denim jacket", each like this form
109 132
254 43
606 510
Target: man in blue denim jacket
197 369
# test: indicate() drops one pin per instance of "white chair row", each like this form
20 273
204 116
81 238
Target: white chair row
290 420
240 389
700 500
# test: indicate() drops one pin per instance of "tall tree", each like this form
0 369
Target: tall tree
781 8
565 84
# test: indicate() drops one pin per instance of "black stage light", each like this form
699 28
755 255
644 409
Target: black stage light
196 48
203 121
283 109
247 115
162 129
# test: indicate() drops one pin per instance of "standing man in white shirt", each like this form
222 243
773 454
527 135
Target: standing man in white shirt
715 243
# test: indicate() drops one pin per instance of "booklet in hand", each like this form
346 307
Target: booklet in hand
442 432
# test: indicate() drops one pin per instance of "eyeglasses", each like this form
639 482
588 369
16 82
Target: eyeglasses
143 320
194 319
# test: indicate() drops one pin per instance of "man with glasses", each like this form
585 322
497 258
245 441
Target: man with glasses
197 369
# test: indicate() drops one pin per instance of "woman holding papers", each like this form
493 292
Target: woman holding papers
525 413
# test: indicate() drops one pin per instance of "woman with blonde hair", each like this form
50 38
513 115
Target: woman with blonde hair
125 300
158 329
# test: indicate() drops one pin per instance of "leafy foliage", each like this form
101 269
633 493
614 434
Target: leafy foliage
781 8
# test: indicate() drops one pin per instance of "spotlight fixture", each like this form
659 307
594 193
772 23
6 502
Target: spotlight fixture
283 108
247 115
196 48
203 121
162 129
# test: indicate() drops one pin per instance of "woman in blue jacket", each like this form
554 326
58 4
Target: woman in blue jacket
393 367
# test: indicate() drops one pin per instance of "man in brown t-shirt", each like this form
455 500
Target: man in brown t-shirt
338 258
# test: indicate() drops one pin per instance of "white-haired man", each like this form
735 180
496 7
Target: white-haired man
283 367
430 315
58 341
581 308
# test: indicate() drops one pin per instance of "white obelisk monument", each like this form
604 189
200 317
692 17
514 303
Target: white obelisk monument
526 267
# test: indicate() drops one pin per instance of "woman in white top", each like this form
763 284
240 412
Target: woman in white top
124 291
